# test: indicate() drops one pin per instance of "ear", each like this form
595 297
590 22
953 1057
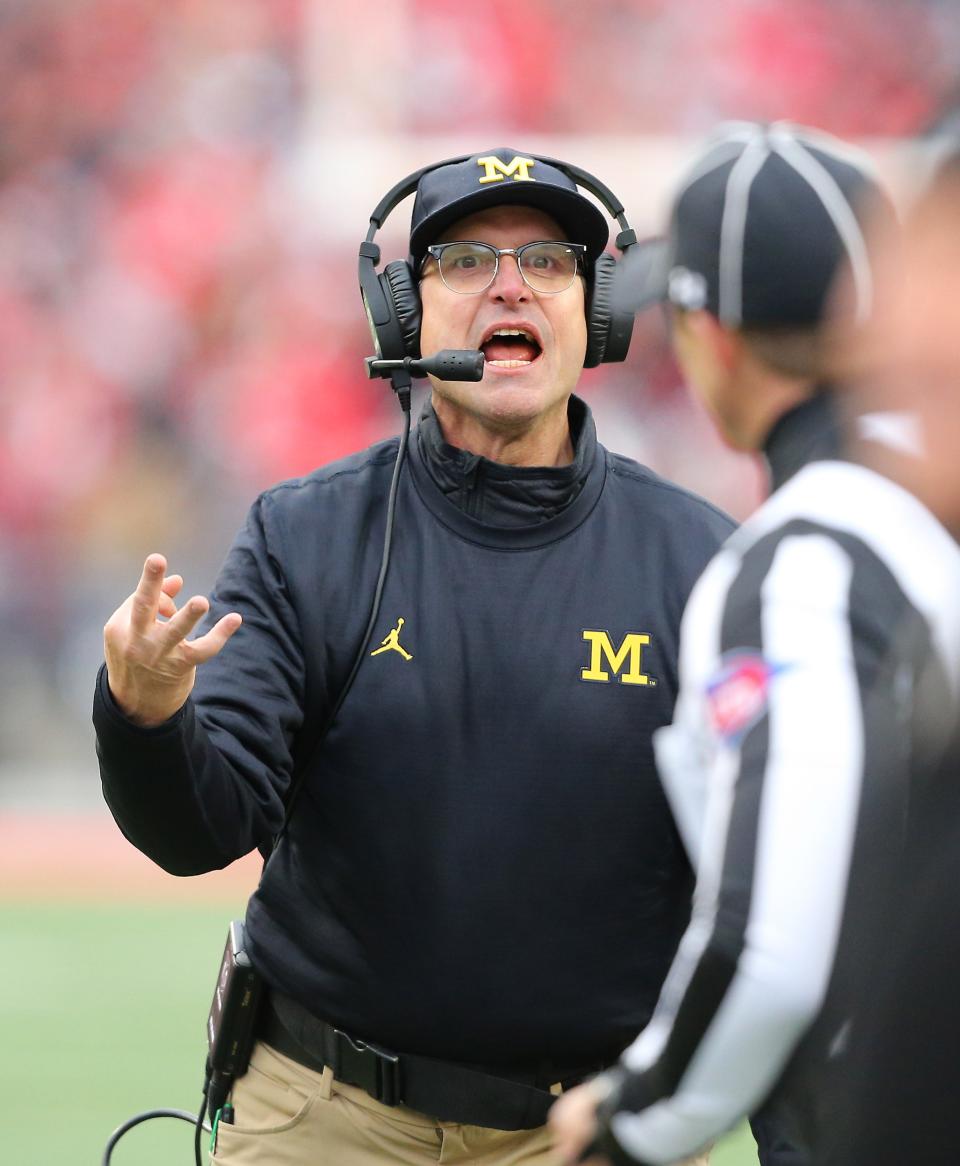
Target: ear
724 344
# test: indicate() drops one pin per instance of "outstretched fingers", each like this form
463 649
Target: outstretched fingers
182 623
172 585
145 601
149 657
171 588
207 646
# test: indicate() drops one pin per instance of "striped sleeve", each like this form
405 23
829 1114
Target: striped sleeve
782 800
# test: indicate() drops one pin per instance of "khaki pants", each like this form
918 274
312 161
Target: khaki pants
289 1115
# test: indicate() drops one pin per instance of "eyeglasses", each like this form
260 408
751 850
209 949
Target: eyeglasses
469 268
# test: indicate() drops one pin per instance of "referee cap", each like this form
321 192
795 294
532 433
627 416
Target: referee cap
760 227
492 178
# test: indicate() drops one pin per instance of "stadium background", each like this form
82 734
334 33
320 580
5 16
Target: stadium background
183 185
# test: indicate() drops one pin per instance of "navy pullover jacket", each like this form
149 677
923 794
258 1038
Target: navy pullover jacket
482 865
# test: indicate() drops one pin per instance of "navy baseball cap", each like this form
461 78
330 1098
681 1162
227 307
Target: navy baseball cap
495 177
759 229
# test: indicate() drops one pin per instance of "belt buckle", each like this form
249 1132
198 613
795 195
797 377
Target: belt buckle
372 1068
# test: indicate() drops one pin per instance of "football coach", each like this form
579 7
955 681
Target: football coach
480 886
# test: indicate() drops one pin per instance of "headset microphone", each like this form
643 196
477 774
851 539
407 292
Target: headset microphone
450 364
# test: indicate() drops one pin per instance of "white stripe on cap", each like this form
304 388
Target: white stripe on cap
733 227
721 148
834 202
826 143
729 140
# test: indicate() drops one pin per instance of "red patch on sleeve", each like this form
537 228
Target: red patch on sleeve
737 696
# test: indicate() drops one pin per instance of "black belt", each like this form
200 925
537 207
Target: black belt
443 1090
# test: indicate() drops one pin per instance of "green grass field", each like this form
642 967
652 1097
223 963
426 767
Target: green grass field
102 1015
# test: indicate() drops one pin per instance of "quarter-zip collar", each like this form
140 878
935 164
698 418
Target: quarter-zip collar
508 496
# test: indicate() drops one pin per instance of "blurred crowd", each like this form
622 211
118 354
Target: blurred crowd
175 333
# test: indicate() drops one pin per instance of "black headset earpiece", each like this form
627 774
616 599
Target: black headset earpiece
609 326
598 310
400 287
392 297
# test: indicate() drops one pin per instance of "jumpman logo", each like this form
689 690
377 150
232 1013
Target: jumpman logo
391 642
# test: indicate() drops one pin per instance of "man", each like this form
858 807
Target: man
481 875
815 669
903 1094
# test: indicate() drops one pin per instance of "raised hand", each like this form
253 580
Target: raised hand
151 665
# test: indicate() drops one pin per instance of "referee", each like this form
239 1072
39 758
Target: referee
903 1094
818 673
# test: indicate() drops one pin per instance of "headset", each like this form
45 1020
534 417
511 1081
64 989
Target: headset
391 298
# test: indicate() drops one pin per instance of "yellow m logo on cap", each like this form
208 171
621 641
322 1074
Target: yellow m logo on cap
495 171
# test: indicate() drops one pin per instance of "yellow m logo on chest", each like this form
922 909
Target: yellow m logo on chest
630 653
495 171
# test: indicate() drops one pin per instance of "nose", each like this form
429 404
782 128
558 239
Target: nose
508 287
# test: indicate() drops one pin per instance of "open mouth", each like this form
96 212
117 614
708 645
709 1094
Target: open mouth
511 348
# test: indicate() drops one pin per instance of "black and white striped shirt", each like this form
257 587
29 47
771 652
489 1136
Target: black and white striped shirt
818 684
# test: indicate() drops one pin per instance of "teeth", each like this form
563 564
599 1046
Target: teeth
514 332
509 363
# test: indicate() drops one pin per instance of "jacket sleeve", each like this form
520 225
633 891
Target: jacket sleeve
783 711
207 786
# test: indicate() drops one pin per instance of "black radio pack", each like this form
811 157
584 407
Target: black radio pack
233 1013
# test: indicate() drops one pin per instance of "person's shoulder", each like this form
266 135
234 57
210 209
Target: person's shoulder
667 499
352 474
